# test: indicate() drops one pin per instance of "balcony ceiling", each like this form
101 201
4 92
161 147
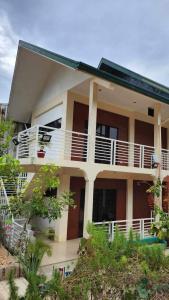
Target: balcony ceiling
123 98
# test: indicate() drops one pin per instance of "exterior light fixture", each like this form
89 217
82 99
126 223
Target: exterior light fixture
15 141
45 138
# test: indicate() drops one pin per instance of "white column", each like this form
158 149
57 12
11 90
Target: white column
88 207
131 140
167 137
157 145
129 203
67 124
157 130
62 223
92 121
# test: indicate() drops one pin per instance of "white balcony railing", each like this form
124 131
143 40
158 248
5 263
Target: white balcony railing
71 145
123 153
140 227
63 144
165 159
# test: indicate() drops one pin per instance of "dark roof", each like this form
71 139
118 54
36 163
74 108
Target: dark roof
109 71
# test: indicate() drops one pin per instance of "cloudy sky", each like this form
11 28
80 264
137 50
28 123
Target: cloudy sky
132 33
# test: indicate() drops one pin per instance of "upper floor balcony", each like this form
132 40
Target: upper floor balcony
69 148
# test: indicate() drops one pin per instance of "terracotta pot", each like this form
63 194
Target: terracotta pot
41 153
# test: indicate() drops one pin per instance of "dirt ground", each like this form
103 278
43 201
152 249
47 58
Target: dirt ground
5 258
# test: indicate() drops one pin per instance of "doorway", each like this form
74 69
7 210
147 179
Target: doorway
104 205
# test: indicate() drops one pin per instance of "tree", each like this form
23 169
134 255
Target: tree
36 203
6 133
26 203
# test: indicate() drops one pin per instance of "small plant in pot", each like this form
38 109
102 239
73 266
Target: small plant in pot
41 152
51 234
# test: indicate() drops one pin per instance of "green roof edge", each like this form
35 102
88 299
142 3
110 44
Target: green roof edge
96 72
49 54
133 74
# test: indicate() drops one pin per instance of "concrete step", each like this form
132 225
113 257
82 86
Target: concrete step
21 283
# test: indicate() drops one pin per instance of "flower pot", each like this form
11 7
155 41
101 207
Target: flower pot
41 153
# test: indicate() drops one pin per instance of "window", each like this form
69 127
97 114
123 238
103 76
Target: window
107 131
56 124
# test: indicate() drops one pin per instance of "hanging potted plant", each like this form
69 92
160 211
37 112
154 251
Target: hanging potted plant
41 152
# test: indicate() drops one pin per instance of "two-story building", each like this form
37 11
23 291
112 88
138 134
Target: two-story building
106 128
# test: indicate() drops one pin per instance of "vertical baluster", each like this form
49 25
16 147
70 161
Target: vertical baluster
140 228
115 152
111 152
36 141
142 156
112 230
143 233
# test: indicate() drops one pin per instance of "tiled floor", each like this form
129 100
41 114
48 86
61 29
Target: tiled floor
61 252
64 256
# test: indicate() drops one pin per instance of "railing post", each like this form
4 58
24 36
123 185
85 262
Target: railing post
36 140
140 229
143 228
142 156
112 230
111 152
114 152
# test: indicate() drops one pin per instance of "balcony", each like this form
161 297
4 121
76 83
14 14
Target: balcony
56 145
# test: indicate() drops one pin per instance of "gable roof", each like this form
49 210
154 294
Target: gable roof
109 71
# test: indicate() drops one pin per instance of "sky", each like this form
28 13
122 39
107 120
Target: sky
132 33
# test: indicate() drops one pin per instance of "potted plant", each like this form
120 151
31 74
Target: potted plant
51 234
41 152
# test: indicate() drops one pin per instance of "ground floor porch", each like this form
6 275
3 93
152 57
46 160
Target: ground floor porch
108 197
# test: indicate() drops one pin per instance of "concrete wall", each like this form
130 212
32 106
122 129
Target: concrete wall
77 184
140 204
103 117
61 79
144 132
50 116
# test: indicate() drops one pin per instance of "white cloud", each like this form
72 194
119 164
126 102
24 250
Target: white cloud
8 45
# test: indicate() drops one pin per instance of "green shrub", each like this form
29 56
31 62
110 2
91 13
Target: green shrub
153 255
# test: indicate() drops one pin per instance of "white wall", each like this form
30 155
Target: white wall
59 81
50 116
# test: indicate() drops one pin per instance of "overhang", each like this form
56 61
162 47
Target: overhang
34 65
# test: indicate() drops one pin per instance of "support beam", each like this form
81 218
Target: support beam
61 224
157 145
88 208
129 202
157 129
67 124
92 121
167 137
131 135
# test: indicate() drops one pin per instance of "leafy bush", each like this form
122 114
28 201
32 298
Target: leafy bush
153 255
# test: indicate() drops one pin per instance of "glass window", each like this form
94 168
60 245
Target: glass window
56 124
113 134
